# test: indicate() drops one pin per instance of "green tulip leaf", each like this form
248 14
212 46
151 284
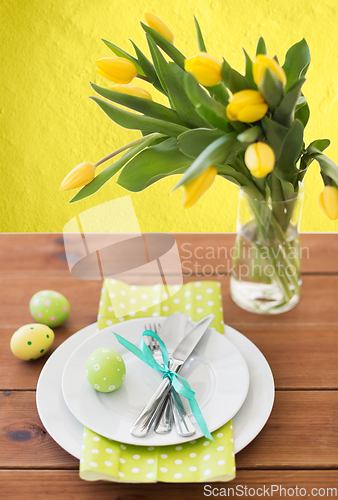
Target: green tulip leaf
110 171
146 106
134 121
193 142
285 167
248 70
288 189
297 61
173 76
327 166
275 134
216 153
250 134
165 45
234 80
220 93
200 41
301 102
157 56
229 173
318 146
261 47
122 53
148 68
271 89
285 113
302 113
153 164
207 107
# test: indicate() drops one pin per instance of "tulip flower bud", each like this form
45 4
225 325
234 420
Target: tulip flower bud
328 202
131 90
116 69
205 68
158 25
196 188
81 175
246 106
260 159
259 66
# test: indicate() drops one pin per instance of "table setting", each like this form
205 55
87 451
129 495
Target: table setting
231 383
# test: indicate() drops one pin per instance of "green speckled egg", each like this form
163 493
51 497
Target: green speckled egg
49 307
105 370
31 341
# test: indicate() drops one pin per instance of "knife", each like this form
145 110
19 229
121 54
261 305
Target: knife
180 355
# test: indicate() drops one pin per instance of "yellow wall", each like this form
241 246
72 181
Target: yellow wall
47 124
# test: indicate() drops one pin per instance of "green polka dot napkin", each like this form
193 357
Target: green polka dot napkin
196 461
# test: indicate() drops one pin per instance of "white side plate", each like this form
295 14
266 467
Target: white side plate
216 371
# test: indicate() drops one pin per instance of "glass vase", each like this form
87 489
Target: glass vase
265 274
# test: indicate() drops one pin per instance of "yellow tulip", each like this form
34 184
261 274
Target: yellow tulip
260 159
196 188
328 202
246 106
158 25
131 90
81 175
116 69
259 66
205 68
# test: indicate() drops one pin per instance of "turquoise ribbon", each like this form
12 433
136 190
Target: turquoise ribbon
180 384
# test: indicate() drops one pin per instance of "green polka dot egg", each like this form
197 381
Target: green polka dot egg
105 370
49 307
31 341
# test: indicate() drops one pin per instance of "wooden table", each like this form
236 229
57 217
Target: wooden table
298 445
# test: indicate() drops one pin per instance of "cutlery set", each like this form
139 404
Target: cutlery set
165 401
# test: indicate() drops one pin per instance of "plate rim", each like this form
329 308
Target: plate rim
155 439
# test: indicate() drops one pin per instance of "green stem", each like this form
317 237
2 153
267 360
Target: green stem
282 280
141 77
128 146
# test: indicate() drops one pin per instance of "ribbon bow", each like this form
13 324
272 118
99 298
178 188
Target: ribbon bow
180 384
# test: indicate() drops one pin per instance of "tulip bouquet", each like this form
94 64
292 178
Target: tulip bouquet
247 129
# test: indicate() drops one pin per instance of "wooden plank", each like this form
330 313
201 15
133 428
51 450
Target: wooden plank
319 252
32 253
24 441
301 433
300 357
317 306
44 253
16 374
15 294
41 484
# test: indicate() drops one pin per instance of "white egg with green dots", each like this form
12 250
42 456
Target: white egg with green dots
49 307
105 370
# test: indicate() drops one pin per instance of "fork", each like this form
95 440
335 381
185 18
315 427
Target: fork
173 404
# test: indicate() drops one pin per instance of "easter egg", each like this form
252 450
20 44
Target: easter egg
105 370
31 341
49 307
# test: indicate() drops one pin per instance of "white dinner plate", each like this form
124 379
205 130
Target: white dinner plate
216 371
67 431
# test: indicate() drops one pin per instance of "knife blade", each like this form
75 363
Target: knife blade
183 351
